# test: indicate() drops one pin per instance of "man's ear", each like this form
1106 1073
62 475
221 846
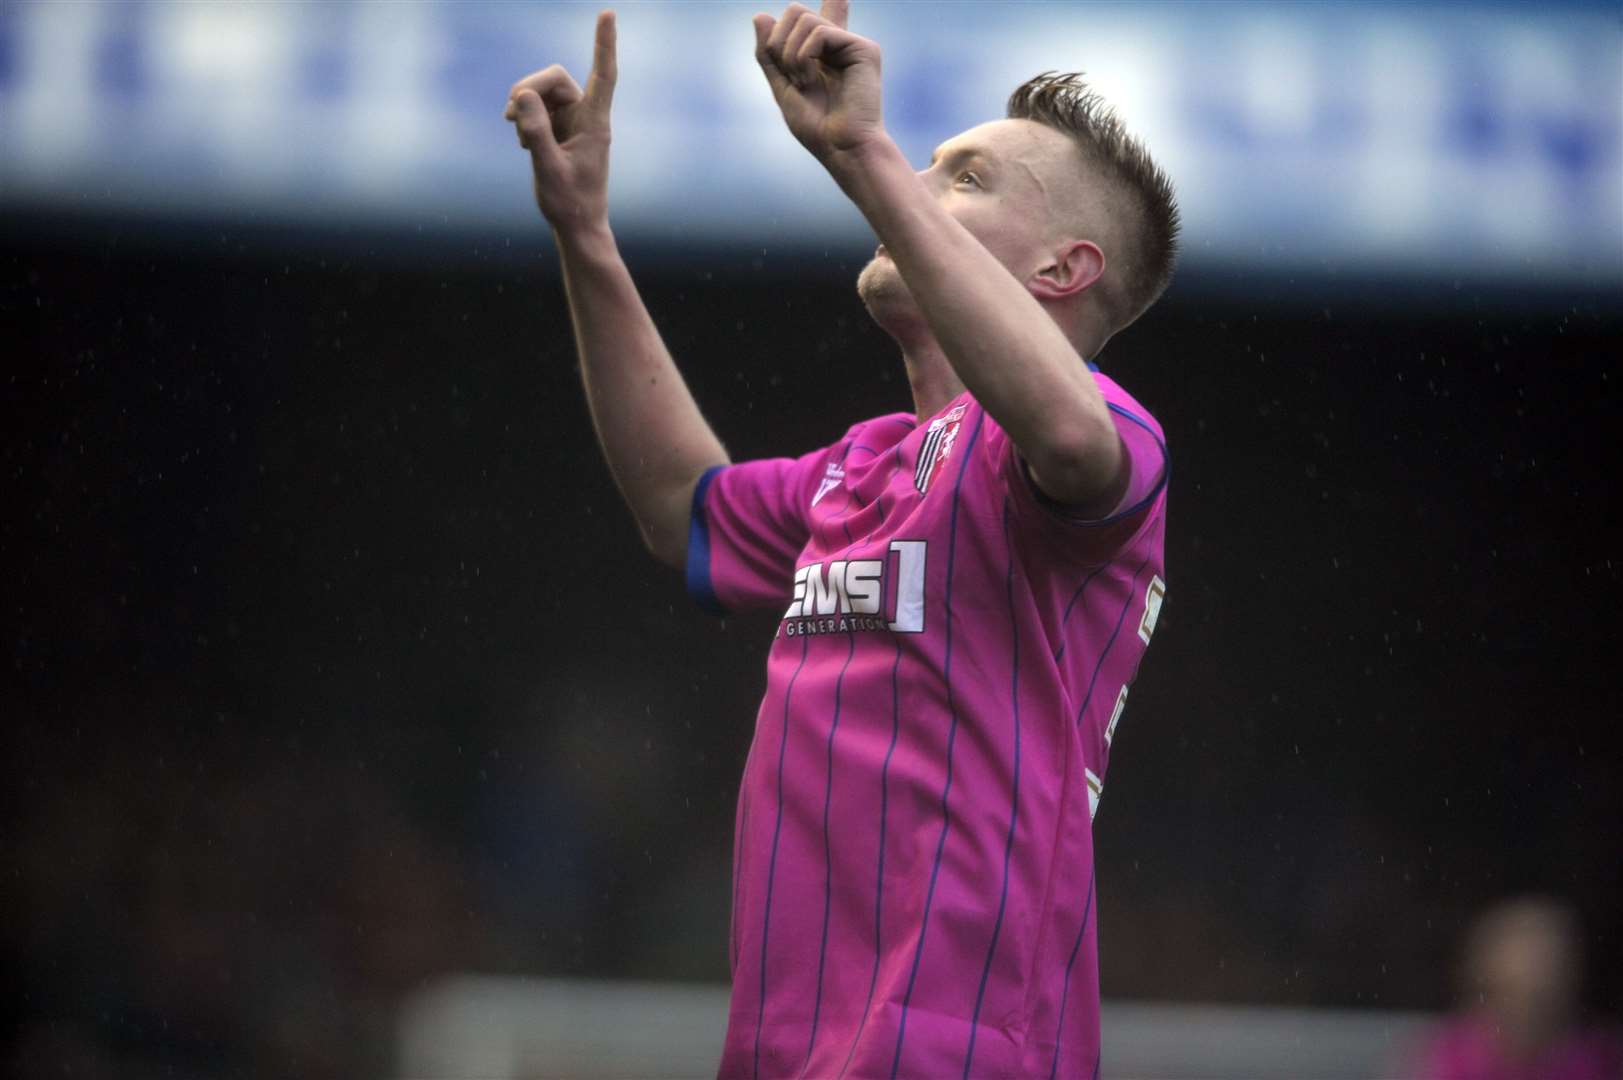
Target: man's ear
1076 267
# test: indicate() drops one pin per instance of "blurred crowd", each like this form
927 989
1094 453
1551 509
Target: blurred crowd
237 905
207 900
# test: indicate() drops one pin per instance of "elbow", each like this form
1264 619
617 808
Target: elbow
1080 467
668 546
665 518
665 521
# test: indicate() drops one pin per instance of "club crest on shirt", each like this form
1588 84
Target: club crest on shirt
831 480
938 440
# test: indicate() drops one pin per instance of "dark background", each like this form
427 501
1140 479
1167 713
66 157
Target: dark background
334 663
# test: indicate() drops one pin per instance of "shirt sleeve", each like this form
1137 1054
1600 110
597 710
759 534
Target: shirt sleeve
1066 532
748 527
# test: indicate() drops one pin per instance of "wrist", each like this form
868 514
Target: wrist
584 236
865 158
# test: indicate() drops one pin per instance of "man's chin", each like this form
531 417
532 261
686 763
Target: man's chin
882 289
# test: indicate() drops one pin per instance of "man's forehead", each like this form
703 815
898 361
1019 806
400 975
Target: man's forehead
1005 139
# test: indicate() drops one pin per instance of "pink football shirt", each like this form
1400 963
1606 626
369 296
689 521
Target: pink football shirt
913 888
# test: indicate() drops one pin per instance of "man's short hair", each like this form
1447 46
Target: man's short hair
1064 102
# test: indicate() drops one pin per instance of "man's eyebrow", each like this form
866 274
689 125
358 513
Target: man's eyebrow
959 153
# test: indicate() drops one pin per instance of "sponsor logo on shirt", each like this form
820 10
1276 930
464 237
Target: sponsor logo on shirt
1152 608
842 595
1115 715
831 480
938 440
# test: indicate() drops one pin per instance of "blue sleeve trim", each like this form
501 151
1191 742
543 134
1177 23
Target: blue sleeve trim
698 560
1064 512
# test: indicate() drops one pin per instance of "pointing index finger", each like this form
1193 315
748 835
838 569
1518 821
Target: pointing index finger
605 63
836 11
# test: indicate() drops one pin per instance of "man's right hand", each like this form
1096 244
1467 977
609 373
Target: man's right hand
566 131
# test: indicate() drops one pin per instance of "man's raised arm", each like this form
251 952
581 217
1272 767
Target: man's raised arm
656 442
1004 348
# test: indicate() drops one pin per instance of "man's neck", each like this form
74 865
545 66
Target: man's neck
930 374
931 379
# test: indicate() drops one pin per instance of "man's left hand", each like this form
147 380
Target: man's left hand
825 78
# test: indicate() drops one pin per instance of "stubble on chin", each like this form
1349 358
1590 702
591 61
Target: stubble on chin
883 291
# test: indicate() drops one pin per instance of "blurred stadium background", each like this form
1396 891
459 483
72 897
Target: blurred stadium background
346 723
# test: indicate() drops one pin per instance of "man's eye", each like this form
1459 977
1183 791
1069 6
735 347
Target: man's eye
970 178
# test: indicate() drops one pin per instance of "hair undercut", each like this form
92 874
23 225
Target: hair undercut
1061 100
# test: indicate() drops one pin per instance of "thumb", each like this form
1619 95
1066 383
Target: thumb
534 126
